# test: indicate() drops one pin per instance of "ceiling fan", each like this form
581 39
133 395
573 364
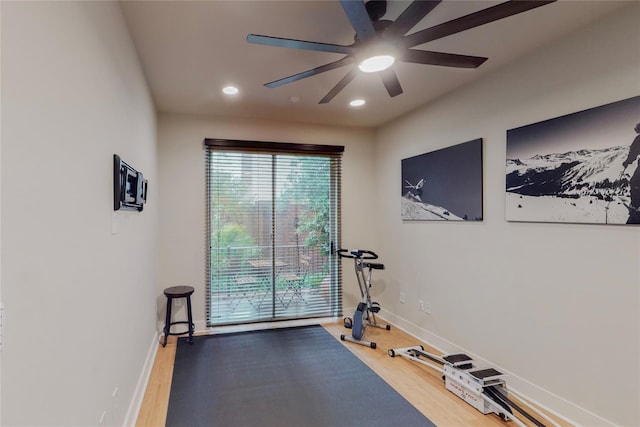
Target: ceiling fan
383 40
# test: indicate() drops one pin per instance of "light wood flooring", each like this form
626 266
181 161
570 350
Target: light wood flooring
420 385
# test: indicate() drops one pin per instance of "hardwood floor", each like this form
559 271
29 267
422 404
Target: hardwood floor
421 386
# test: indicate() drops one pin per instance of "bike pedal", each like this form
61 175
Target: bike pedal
375 307
348 323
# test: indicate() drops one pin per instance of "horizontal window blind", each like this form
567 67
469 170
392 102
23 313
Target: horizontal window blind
272 225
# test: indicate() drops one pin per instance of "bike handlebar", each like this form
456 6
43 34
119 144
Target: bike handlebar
356 253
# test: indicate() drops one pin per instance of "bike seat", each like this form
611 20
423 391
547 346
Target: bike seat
374 265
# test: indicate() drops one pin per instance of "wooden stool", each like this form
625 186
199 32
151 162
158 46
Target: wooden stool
178 292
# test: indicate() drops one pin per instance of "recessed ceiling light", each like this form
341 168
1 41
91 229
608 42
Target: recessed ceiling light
230 90
357 102
376 63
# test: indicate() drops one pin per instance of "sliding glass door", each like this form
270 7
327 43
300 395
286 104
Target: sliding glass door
273 220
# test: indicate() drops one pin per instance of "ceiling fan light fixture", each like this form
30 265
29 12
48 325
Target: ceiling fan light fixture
230 90
357 102
376 63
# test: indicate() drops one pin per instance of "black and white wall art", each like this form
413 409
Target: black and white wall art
578 168
443 185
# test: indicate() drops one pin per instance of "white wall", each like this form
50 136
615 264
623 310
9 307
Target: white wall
1 303
557 306
80 312
181 163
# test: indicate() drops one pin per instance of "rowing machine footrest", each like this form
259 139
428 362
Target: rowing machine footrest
375 307
460 361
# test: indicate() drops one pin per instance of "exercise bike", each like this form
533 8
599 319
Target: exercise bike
365 314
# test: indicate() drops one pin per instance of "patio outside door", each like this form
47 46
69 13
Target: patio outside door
272 224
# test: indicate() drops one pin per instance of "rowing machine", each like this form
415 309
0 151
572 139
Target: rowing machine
484 389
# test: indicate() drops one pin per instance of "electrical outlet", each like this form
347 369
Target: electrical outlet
403 298
420 305
427 308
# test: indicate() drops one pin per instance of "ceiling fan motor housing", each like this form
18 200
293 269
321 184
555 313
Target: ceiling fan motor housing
376 9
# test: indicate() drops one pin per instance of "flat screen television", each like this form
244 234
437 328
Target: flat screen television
129 186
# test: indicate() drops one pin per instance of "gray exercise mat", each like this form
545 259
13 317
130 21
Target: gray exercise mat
290 377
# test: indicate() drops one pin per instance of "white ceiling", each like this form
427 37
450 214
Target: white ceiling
191 49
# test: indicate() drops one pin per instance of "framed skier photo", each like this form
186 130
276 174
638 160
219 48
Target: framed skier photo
578 168
443 185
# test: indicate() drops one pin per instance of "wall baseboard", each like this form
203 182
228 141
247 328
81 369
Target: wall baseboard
554 404
141 387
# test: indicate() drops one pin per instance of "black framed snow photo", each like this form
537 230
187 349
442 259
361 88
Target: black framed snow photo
443 185
577 168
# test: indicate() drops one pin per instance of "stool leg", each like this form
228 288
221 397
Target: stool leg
190 319
167 321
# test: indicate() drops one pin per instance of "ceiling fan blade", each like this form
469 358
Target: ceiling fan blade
303 75
494 13
411 16
359 18
337 88
391 82
443 59
298 44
